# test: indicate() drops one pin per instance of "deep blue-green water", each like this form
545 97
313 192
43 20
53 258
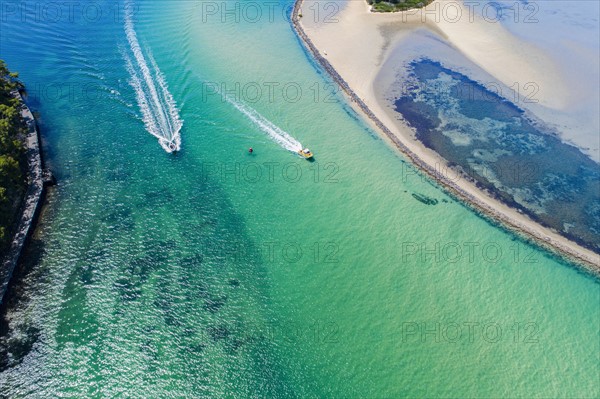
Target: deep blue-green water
215 273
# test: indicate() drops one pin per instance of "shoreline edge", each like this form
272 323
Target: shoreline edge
32 201
580 259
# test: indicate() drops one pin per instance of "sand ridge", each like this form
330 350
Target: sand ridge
352 46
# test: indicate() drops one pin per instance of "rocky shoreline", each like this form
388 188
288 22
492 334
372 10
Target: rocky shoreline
37 179
584 262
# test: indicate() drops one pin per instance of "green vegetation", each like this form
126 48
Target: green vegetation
397 5
13 164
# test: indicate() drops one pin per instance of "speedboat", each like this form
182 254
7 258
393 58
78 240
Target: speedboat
305 153
169 146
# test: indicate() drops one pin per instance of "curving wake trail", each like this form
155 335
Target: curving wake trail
275 132
159 110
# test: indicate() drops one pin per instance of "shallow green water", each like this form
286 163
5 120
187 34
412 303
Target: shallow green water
217 273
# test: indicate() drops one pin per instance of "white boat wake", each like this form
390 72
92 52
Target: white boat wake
275 132
159 110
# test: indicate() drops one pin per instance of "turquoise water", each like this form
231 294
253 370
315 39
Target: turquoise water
213 272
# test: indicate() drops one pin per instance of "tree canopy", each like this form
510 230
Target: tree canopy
12 155
397 5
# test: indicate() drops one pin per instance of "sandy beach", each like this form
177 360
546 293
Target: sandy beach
360 48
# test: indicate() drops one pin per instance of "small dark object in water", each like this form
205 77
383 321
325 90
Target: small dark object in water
425 199
48 178
250 150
